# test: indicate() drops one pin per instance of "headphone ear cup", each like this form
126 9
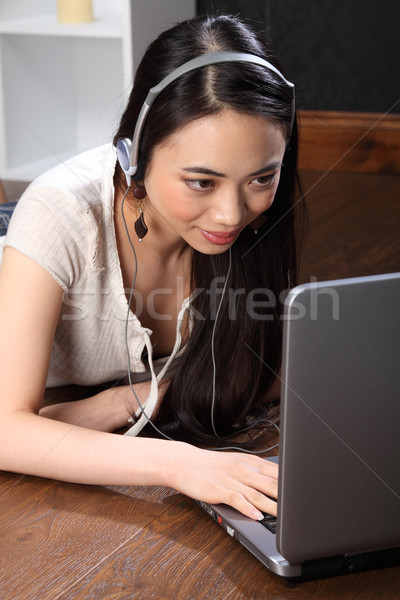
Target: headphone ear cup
123 147
123 152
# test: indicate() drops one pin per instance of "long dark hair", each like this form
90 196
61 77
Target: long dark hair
247 341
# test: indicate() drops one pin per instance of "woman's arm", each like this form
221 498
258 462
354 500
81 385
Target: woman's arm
30 302
107 410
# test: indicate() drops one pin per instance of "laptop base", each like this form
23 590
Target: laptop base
230 520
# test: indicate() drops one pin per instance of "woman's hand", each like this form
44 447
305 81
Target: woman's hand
108 410
241 480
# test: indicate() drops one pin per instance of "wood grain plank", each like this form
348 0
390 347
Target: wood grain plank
16 491
70 528
352 142
188 556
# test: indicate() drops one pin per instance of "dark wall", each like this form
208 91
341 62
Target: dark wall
342 54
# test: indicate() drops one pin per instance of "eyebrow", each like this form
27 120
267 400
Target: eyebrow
204 171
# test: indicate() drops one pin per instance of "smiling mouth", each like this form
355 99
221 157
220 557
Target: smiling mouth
220 237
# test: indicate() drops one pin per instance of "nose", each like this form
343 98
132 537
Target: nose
228 208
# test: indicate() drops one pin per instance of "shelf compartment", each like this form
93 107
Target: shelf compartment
105 27
50 113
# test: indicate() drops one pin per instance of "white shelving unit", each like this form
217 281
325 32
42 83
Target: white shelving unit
63 87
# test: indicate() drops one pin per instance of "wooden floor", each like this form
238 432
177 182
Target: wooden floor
60 541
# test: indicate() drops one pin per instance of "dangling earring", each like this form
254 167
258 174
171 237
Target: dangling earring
258 223
141 228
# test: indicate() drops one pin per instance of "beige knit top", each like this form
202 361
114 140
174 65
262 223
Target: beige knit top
64 221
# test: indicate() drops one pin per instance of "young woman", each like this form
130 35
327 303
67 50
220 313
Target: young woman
177 266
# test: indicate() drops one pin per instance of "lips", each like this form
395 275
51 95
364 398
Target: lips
220 237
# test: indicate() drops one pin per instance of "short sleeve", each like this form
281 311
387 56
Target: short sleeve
48 226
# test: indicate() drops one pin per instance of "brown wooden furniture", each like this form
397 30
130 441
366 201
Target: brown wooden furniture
350 142
60 541
3 197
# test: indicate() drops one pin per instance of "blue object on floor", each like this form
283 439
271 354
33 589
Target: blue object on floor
6 211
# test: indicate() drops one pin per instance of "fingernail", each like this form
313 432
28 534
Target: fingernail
256 514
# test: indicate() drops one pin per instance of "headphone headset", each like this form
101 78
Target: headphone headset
128 150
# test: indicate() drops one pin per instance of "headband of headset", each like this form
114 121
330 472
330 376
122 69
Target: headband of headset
128 150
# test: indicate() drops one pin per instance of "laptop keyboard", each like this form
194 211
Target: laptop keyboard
269 521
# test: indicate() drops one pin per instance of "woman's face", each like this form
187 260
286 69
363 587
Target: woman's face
212 178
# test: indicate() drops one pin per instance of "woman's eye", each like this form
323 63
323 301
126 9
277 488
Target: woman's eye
265 180
200 184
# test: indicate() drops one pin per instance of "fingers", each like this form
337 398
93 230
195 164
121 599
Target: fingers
246 482
252 504
262 502
258 494
254 487
239 501
264 467
255 463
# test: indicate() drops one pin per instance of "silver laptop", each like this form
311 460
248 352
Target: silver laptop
339 474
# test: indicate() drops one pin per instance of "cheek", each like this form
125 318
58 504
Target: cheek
183 212
265 200
269 199
173 202
260 205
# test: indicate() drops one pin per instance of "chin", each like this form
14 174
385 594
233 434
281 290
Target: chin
211 249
